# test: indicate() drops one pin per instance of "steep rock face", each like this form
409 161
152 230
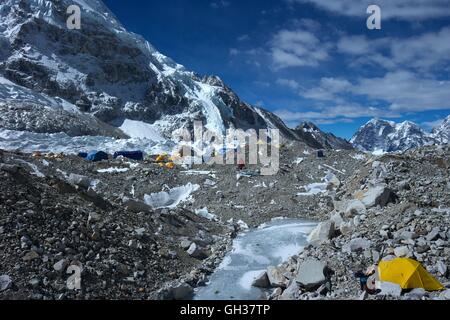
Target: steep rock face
40 119
105 71
389 137
442 132
318 139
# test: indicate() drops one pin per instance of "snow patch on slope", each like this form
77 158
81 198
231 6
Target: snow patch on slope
142 130
172 198
60 142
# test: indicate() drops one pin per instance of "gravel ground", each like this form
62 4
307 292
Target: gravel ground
52 220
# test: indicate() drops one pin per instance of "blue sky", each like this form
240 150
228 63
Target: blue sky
312 60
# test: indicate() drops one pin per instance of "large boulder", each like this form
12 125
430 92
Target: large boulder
276 277
79 180
390 289
196 252
337 220
261 281
311 274
356 245
5 282
378 195
402 252
354 207
176 291
135 205
323 232
445 294
346 227
292 292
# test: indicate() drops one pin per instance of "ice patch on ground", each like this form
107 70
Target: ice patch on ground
358 156
314 189
247 279
113 170
251 255
205 214
318 187
196 172
379 152
172 198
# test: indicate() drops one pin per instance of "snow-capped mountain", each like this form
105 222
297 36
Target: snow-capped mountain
83 80
389 136
442 132
316 138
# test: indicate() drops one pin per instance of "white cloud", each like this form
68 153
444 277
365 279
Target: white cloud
344 113
357 45
425 52
402 91
410 10
328 89
289 83
243 37
406 92
297 48
429 125
217 4
234 52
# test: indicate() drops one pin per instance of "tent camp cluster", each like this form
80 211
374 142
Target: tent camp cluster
397 275
163 160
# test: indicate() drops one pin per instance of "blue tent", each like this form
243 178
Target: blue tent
83 155
96 156
134 155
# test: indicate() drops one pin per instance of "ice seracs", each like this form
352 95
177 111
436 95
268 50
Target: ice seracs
119 78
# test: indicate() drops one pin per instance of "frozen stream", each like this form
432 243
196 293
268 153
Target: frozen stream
253 251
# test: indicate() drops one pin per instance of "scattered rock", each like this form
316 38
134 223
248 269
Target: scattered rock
135 205
60 266
5 282
94 217
402 251
390 289
441 268
196 252
185 244
30 255
291 292
433 235
276 277
79 180
323 232
354 207
415 294
176 291
379 195
445 294
356 245
311 274
261 281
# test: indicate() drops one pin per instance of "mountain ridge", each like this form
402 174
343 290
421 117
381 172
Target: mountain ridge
107 72
388 136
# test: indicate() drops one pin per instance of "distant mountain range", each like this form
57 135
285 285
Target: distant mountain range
389 136
105 81
102 78
316 138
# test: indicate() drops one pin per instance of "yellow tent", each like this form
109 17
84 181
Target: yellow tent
170 165
161 158
408 273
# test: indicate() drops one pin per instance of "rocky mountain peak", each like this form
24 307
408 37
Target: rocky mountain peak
389 136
